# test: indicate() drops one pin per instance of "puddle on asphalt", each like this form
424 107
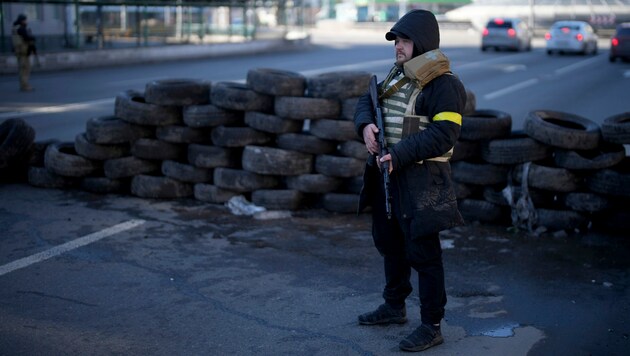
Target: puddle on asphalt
503 331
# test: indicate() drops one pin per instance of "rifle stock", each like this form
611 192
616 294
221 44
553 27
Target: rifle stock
381 143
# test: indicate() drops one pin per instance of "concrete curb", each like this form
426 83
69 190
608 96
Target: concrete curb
109 57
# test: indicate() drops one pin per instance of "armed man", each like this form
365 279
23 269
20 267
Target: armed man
421 102
23 46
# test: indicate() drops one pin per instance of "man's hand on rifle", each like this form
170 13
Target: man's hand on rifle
386 158
370 133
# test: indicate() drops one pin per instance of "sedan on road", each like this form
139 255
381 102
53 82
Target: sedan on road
571 37
620 43
506 33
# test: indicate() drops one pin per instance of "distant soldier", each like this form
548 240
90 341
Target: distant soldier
23 46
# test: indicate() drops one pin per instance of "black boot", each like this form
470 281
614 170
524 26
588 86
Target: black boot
422 338
384 314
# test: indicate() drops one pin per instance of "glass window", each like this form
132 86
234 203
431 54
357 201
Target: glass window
499 23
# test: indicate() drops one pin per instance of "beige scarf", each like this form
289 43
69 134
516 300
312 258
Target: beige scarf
420 70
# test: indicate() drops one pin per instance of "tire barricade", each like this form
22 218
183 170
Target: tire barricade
561 172
282 140
287 142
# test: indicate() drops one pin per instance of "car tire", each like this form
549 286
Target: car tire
159 187
276 161
313 183
518 148
354 149
549 178
111 130
243 181
223 136
96 151
62 158
479 173
614 181
271 123
177 92
303 108
154 149
585 202
336 166
305 143
212 194
616 128
182 134
604 156
208 156
483 211
200 116
276 82
186 173
128 167
277 199
237 96
563 130
132 107
486 125
338 85
334 130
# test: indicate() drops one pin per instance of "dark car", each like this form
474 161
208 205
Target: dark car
620 43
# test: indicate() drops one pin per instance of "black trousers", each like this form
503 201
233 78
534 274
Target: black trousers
401 252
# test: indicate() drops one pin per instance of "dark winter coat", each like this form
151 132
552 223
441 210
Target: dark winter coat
425 191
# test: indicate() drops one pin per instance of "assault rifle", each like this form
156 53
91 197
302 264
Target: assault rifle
382 144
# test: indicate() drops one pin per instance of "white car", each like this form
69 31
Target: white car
506 33
571 37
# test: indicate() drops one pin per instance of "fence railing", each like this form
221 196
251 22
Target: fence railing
62 27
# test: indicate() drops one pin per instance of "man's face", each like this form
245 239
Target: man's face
404 50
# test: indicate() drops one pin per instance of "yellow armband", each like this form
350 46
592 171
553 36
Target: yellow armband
448 116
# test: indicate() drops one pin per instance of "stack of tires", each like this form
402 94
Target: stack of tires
283 140
287 142
561 173
478 181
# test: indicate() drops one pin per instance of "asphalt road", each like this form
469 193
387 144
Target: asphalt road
90 274
516 83
100 275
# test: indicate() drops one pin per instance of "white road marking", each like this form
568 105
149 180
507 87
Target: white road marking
510 89
484 62
514 68
55 108
68 246
576 66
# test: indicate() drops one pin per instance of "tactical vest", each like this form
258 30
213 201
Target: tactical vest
399 113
